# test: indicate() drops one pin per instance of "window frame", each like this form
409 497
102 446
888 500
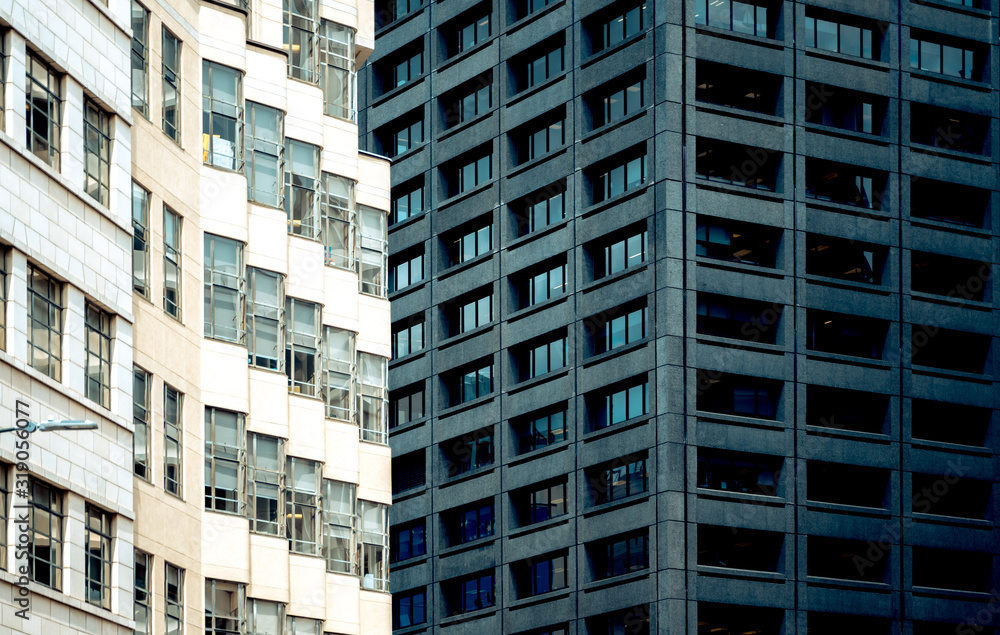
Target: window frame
42 79
218 454
302 186
141 415
337 58
141 236
343 365
257 146
143 593
215 281
52 510
52 323
172 82
373 397
601 481
298 503
173 600
222 621
98 527
338 213
173 438
97 334
96 128
296 343
373 247
258 310
374 545
140 57
305 27
337 523
258 476
172 262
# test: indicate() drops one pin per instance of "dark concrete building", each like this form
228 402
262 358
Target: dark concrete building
693 314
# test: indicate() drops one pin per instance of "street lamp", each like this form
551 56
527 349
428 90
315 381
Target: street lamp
52 424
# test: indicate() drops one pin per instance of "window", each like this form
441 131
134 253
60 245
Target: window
539 503
374 545
468 101
98 559
621 254
408 472
541 286
407 201
141 381
845 334
619 178
471 313
407 69
265 154
225 296
45 554
844 109
373 389
265 318
224 455
965 498
374 241
733 618
140 64
302 346
953 569
143 594
408 271
932 199
840 484
338 372
4 514
845 184
97 327
926 417
171 51
408 336
406 138
408 541
735 87
337 70
470 245
406 405
408 608
948 349
395 9
837 558
739 165
733 241
471 384
301 188
470 522
620 555
470 34
44 323
621 403
621 27
302 517
936 57
742 472
845 259
300 27
265 483
733 15
339 510
618 102
611 331
949 276
840 38
846 409
222 108
948 129
225 607
739 548
472 593
467 453
738 318
3 301
140 240
173 402
264 618
473 174
542 140
541 357
738 395
541 67
43 111
541 209
173 596
339 220
618 479
539 430
527 7
171 263
96 152
539 574
303 626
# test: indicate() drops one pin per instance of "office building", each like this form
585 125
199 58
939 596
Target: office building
692 314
